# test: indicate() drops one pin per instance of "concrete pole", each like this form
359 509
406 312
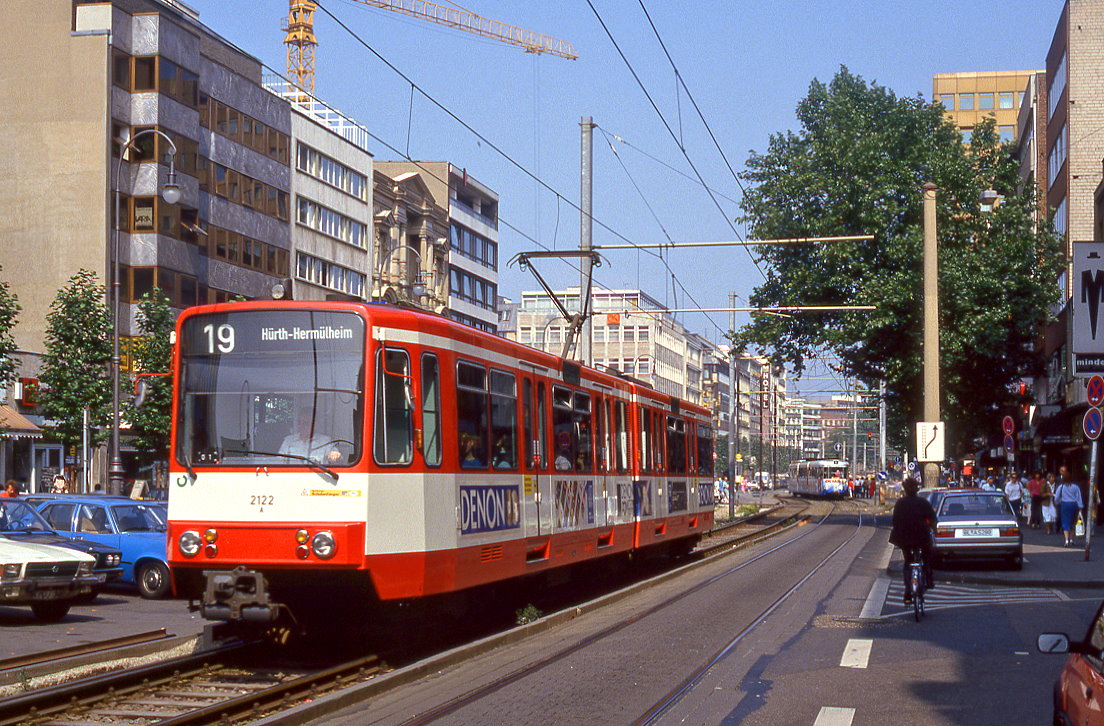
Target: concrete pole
733 411
931 324
586 199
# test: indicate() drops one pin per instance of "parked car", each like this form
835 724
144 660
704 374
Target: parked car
1077 692
975 523
48 578
20 521
132 526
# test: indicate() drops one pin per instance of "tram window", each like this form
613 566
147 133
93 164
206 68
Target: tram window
504 420
705 450
584 451
605 451
601 453
542 428
562 428
645 439
621 437
657 441
676 445
394 405
527 433
471 415
431 410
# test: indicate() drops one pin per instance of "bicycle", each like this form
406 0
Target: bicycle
919 583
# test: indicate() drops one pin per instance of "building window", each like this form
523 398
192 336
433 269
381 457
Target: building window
1057 157
966 102
966 134
327 274
321 167
1007 134
328 222
1006 99
948 101
985 101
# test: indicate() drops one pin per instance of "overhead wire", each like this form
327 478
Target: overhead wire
667 125
498 150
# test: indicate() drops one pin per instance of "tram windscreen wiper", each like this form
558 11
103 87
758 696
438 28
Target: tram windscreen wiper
305 459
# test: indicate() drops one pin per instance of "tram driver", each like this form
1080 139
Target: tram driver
305 441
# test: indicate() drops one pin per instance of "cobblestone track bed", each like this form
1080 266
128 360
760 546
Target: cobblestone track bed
206 689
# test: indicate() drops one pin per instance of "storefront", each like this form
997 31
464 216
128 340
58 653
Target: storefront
24 456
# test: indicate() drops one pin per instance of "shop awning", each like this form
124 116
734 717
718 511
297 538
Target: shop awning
14 425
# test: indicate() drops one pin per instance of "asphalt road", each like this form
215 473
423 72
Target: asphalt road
842 651
118 611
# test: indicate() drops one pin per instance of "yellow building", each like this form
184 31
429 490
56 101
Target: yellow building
971 97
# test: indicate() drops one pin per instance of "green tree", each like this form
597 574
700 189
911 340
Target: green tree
9 313
857 166
75 368
151 422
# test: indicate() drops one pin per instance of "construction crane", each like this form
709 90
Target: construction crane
301 42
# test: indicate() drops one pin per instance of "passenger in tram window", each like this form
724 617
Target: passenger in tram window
503 453
469 451
563 459
306 442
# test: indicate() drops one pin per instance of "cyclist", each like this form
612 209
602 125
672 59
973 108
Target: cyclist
913 524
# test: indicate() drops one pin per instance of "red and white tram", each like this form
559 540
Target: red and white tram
324 448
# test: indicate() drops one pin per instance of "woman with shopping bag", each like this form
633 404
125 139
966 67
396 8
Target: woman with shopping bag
1068 497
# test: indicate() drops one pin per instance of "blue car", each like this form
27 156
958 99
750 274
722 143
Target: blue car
131 526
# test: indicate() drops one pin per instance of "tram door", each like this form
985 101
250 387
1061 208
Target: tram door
538 479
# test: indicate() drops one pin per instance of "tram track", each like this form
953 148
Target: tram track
311 714
212 687
217 686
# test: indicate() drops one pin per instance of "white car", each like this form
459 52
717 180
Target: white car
46 577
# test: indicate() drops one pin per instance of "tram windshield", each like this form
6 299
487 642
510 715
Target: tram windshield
271 388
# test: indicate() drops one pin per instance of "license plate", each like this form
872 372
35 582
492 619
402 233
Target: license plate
45 595
976 533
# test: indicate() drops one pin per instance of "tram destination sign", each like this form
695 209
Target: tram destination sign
1087 308
268 331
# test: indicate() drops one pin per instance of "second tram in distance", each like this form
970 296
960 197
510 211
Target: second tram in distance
819 477
334 452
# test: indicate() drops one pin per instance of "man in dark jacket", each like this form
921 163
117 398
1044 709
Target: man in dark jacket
913 524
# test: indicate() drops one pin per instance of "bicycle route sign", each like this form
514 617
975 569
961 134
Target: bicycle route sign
1092 423
1094 391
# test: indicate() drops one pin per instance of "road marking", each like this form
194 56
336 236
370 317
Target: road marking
872 608
857 653
834 716
951 596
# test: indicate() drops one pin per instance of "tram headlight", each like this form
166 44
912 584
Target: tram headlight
210 536
189 543
323 545
302 536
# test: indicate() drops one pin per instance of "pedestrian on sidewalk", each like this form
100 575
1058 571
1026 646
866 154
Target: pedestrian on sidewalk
1068 497
1050 511
1014 490
1035 491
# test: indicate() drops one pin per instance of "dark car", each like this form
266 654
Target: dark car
21 522
1079 690
132 526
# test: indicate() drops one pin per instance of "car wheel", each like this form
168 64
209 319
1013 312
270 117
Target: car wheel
1016 561
51 611
153 580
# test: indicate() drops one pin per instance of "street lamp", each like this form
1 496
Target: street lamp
418 285
170 192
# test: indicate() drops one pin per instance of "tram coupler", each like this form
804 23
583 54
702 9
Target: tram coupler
238 595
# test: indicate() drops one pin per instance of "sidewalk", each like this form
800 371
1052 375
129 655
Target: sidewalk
1046 564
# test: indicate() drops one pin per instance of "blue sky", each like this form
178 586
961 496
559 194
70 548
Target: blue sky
747 65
